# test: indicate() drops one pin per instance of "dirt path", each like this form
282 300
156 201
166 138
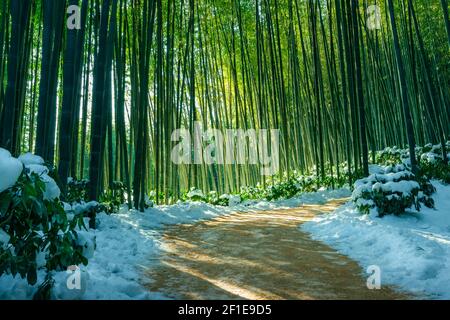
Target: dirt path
257 256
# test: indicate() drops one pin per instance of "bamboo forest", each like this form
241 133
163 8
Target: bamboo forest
218 149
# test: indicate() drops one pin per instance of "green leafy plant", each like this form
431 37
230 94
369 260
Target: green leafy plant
32 227
436 170
194 195
112 199
390 156
77 190
392 192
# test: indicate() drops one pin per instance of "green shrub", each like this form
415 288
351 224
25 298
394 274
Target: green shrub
436 169
285 189
214 199
390 156
194 195
77 190
33 226
392 191
112 199
152 198
251 193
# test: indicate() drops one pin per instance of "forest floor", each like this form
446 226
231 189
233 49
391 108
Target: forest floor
257 256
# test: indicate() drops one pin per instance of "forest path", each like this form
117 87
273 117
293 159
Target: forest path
260 255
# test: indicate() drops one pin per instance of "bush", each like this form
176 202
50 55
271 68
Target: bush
152 198
432 165
276 188
77 190
392 190
391 156
215 199
35 232
112 199
250 193
284 189
194 195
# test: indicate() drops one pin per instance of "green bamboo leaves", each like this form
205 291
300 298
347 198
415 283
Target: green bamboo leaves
102 102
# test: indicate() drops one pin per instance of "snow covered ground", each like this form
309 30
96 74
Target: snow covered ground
128 242
412 250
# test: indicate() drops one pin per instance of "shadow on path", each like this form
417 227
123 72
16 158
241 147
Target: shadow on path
260 255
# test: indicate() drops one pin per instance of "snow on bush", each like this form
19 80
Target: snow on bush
29 158
52 191
10 170
432 164
36 234
195 195
433 153
427 154
391 156
391 190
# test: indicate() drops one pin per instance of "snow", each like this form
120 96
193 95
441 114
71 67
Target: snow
10 170
29 159
195 193
4 238
394 182
319 197
412 250
233 200
88 241
111 272
403 187
52 190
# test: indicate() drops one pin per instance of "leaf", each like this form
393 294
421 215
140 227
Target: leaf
5 201
32 275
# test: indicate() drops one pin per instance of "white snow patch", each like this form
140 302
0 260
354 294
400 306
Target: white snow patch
195 193
29 158
412 250
10 170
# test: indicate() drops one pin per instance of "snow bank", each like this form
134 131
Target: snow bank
113 270
412 250
10 170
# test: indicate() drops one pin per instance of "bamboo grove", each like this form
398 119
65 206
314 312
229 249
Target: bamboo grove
340 79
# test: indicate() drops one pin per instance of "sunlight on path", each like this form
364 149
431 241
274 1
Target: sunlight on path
257 256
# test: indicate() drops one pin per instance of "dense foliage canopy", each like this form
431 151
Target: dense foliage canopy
340 79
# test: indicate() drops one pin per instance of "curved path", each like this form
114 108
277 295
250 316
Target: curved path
260 255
